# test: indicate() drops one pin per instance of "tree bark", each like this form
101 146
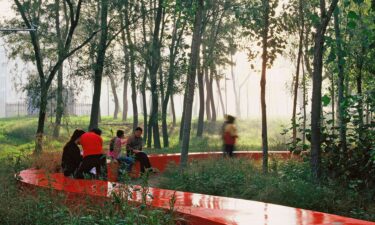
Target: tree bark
115 96
266 8
201 99
98 69
173 50
300 46
236 97
183 115
212 101
132 66
220 95
173 112
208 95
316 106
304 103
59 97
153 68
195 45
125 48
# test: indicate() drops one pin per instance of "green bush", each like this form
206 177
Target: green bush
289 183
44 207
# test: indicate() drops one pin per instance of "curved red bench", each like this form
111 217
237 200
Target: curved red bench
161 161
198 209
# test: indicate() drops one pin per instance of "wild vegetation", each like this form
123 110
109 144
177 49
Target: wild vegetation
288 183
159 49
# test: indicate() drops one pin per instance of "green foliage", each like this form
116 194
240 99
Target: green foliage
289 183
357 164
45 207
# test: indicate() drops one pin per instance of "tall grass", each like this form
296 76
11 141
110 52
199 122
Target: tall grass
44 207
289 183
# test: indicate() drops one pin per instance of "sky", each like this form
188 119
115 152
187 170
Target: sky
278 97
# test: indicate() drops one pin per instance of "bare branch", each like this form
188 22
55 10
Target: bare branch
58 64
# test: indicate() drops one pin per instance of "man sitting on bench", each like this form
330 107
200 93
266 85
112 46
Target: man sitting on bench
134 148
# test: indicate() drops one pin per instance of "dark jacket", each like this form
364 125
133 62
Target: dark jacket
134 143
71 157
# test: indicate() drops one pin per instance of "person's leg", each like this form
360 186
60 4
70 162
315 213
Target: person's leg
226 150
144 161
101 171
231 149
86 165
126 163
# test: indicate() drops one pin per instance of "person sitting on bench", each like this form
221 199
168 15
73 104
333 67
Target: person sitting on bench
115 148
71 157
93 157
134 147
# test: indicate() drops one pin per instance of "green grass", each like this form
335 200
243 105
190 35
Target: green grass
17 134
44 207
289 183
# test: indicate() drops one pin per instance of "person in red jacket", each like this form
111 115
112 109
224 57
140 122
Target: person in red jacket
229 135
93 157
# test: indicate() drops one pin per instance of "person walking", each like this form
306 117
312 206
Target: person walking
229 136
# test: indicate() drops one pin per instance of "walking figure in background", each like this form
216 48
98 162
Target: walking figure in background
229 135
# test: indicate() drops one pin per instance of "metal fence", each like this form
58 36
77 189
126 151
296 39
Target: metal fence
79 109
21 109
16 109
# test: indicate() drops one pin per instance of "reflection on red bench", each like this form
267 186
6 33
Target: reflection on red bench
197 208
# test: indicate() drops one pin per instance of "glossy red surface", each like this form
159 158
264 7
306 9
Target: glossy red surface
161 161
197 208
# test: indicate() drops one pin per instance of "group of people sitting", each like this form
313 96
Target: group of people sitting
91 162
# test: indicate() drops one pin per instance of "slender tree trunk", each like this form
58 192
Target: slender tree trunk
126 73
144 102
98 69
359 92
208 96
333 102
236 100
201 100
59 99
220 95
183 116
173 112
125 104
300 46
304 103
59 103
41 119
266 8
132 66
213 109
153 68
195 45
316 106
115 96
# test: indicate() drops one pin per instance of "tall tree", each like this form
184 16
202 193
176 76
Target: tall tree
60 44
266 26
153 67
33 13
194 56
301 30
131 49
316 106
179 25
98 69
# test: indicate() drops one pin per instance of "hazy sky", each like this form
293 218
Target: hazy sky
279 100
